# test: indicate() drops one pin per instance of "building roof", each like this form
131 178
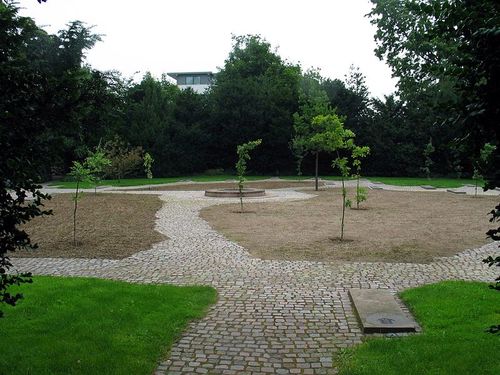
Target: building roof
176 74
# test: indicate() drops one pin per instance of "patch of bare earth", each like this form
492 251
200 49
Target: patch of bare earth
109 226
234 185
391 227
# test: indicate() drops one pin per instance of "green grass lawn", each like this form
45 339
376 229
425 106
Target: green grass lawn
223 177
93 326
399 181
154 181
120 183
454 316
417 181
402 181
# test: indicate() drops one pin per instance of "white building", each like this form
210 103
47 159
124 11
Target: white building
198 81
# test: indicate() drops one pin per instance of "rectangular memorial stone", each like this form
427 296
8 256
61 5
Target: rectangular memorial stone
455 191
379 312
428 187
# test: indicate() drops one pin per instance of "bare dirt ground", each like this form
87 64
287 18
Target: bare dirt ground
229 185
391 227
109 226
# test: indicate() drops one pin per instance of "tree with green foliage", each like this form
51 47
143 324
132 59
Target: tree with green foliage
96 162
150 122
313 101
358 153
80 172
335 138
428 151
323 136
342 164
446 47
482 163
350 98
23 147
148 163
192 116
254 96
243 152
125 160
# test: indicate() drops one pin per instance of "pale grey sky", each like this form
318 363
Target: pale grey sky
195 35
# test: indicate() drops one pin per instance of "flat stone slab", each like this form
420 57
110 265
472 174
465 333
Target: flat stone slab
428 187
376 188
455 191
379 312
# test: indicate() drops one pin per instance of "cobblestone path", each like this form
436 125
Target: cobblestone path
275 317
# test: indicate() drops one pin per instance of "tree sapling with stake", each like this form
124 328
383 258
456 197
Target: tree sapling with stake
96 162
359 152
342 165
81 173
148 163
335 138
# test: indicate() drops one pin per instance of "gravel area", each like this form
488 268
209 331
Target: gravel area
391 226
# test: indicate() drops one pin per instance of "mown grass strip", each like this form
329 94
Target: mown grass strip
93 326
454 316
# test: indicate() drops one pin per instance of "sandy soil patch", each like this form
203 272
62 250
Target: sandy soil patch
109 226
391 227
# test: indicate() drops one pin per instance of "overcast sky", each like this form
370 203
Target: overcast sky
195 35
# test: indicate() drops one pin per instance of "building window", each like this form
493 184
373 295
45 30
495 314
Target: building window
193 80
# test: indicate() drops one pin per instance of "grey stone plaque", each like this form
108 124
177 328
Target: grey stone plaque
379 312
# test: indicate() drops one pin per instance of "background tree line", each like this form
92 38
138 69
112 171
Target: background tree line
256 95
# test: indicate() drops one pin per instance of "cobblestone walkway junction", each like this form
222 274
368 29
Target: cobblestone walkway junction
276 317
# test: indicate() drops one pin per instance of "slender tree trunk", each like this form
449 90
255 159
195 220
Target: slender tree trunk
357 193
316 172
240 188
343 210
74 213
475 189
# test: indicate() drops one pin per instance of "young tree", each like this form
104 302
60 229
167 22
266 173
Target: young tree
313 101
148 163
335 138
359 152
241 166
96 162
81 173
428 151
342 164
